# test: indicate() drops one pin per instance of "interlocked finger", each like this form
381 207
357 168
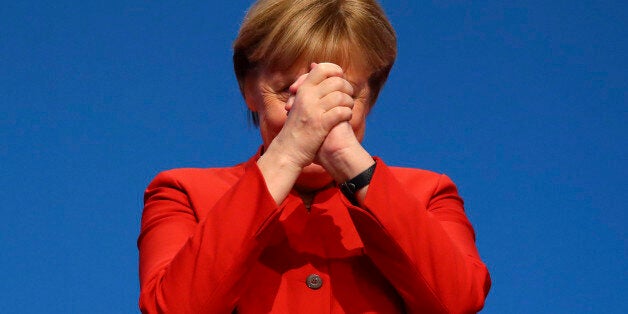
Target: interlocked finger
336 115
336 99
334 83
322 71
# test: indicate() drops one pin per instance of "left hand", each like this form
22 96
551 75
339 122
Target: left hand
340 143
340 137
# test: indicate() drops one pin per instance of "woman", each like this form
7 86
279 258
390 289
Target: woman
312 223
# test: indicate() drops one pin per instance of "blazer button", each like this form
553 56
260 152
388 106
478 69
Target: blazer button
314 281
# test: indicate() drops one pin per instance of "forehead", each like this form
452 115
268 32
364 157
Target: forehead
344 53
355 74
353 64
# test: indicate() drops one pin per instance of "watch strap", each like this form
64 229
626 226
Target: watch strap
350 187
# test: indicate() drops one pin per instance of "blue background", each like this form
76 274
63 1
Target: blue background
522 103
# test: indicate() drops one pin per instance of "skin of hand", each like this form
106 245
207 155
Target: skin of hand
292 141
322 100
342 140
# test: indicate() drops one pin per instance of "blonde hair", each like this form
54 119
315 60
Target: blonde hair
278 33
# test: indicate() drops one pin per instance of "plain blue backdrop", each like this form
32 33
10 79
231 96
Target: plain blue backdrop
522 103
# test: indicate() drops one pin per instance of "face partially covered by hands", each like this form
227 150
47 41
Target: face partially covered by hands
310 113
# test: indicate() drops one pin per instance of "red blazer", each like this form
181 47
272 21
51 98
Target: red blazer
214 241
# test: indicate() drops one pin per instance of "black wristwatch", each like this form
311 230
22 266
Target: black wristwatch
363 179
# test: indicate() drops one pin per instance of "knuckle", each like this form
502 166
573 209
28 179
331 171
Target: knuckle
334 98
349 87
344 99
305 91
336 82
328 66
348 100
338 97
341 113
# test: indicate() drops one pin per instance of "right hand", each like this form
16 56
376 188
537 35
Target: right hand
322 99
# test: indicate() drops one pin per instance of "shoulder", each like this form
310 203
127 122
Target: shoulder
425 184
419 177
185 177
404 174
197 185
196 189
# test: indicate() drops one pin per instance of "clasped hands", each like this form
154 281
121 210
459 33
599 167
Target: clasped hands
324 122
317 129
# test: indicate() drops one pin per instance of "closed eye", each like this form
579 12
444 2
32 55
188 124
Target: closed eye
284 92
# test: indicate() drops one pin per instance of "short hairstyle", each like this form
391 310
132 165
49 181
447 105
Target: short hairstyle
278 33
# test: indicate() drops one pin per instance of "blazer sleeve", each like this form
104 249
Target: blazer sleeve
426 249
192 266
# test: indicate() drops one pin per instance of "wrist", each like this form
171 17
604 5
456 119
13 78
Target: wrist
350 188
347 163
279 173
284 151
274 156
